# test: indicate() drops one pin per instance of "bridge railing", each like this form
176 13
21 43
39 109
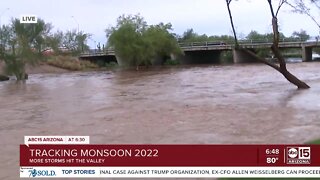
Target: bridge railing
96 52
222 44
199 44
268 40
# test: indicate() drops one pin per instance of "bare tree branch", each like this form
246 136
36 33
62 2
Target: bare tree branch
315 3
301 8
271 9
275 49
232 25
281 2
262 60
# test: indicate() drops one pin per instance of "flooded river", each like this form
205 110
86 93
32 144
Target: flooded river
241 104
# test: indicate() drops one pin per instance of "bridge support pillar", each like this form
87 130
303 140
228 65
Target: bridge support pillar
240 56
120 61
306 53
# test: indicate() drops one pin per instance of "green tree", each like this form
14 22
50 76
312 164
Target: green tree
54 41
190 36
254 36
162 40
301 36
126 39
257 37
7 39
136 43
222 38
81 39
22 46
74 41
42 30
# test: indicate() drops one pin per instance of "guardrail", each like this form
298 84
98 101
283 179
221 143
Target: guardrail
212 44
222 43
196 44
98 53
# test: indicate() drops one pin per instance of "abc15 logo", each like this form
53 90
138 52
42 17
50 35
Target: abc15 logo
299 153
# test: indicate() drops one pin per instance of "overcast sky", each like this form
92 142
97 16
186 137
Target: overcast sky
204 16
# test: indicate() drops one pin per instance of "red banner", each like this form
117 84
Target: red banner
169 155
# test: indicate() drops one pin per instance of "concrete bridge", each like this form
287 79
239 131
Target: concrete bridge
209 52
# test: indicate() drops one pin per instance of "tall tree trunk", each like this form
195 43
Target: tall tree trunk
276 51
275 47
232 25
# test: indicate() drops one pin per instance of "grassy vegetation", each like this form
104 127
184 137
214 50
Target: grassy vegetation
111 65
171 62
226 57
317 141
71 63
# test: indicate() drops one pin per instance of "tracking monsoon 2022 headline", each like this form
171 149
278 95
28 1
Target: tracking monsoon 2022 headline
74 156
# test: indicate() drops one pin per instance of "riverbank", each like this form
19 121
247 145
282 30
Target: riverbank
43 67
57 64
64 64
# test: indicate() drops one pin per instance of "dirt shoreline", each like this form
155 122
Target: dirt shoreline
38 69
44 68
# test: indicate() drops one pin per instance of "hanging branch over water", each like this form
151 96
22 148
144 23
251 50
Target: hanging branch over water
276 51
275 46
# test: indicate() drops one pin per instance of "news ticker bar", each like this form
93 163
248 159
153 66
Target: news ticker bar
169 155
169 172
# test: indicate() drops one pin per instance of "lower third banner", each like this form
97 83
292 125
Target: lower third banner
176 161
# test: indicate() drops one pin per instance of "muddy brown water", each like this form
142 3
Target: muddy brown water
240 104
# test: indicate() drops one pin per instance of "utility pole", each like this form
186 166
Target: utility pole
76 22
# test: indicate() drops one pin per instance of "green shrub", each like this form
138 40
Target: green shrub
111 64
171 62
226 57
138 43
317 141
